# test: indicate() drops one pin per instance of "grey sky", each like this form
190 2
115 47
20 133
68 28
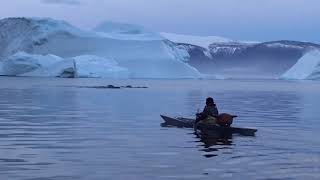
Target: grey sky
70 2
237 19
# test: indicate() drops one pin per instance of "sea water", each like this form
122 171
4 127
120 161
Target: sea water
61 129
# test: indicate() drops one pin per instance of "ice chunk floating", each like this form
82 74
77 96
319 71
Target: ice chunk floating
308 67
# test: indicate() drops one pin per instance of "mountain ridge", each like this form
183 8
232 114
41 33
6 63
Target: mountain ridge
237 59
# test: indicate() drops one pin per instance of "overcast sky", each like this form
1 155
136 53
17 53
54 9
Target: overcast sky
237 19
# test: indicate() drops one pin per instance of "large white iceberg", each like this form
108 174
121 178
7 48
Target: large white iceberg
202 41
145 54
85 66
21 63
307 67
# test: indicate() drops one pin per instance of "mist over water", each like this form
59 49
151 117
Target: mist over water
52 129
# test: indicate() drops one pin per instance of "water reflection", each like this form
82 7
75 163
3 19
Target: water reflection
36 125
208 141
213 142
76 133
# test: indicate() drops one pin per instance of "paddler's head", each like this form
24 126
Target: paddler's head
210 101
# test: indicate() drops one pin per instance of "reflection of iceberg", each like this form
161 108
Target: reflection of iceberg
145 54
308 67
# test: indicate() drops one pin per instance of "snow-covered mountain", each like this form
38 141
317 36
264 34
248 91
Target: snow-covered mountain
137 52
201 41
242 59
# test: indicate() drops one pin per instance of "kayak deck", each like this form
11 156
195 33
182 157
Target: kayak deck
188 123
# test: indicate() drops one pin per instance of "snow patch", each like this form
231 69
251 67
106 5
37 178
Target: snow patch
280 45
307 67
202 41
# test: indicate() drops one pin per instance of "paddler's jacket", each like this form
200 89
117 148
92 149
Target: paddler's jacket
208 115
210 111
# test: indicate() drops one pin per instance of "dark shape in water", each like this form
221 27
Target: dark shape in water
114 87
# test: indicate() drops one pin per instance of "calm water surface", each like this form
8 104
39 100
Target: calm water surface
52 129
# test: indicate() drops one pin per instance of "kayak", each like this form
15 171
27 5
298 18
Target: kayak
188 123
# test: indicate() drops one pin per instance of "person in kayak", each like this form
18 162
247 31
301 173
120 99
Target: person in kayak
210 116
210 113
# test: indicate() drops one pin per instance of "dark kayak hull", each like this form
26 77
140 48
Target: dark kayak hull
188 123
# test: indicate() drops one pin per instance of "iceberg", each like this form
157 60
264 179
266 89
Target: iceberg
21 63
85 66
307 67
143 53
315 74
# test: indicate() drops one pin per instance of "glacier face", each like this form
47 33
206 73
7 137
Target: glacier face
307 67
143 53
